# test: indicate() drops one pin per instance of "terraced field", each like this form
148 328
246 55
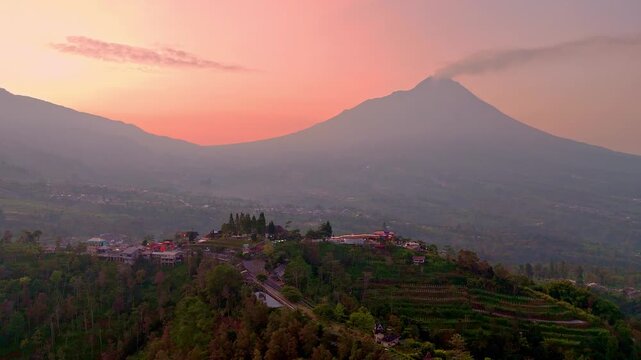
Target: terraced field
441 297
441 309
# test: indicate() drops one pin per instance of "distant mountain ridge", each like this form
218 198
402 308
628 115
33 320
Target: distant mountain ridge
432 156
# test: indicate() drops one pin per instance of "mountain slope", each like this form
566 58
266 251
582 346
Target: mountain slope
434 161
57 143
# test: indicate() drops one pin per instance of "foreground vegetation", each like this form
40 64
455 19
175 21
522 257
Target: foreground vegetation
67 305
72 306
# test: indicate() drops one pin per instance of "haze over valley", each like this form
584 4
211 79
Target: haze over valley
426 158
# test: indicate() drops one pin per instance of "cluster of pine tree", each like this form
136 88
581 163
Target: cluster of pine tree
322 232
243 224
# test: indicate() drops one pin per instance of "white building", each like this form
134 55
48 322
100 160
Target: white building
167 257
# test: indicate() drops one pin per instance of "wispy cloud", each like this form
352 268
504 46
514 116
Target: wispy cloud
495 60
122 53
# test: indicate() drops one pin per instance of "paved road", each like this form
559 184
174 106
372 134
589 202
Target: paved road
250 277
253 268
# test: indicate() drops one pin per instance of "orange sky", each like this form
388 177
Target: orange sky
301 62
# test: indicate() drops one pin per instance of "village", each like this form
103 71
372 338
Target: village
172 252
246 253
246 243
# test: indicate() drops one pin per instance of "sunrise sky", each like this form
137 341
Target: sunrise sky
215 72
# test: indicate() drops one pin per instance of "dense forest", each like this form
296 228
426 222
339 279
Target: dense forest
71 306
68 305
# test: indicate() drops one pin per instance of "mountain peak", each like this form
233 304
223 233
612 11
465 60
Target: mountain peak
4 91
434 83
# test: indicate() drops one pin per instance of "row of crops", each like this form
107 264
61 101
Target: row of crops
456 308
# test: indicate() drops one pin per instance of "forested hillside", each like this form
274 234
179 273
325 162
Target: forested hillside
67 305
499 314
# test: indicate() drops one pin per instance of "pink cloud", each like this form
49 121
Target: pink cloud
121 53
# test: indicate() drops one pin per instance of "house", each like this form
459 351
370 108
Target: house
417 260
352 239
390 340
167 257
381 336
385 235
412 245
166 245
97 245
268 300
279 272
130 255
127 256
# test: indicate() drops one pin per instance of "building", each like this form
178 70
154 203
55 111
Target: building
412 245
390 340
279 272
418 260
130 255
377 239
353 239
166 245
385 235
379 333
126 256
97 245
167 257
268 300
384 338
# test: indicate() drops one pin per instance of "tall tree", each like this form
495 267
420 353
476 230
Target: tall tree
192 324
297 271
261 224
580 279
271 229
326 230
223 286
